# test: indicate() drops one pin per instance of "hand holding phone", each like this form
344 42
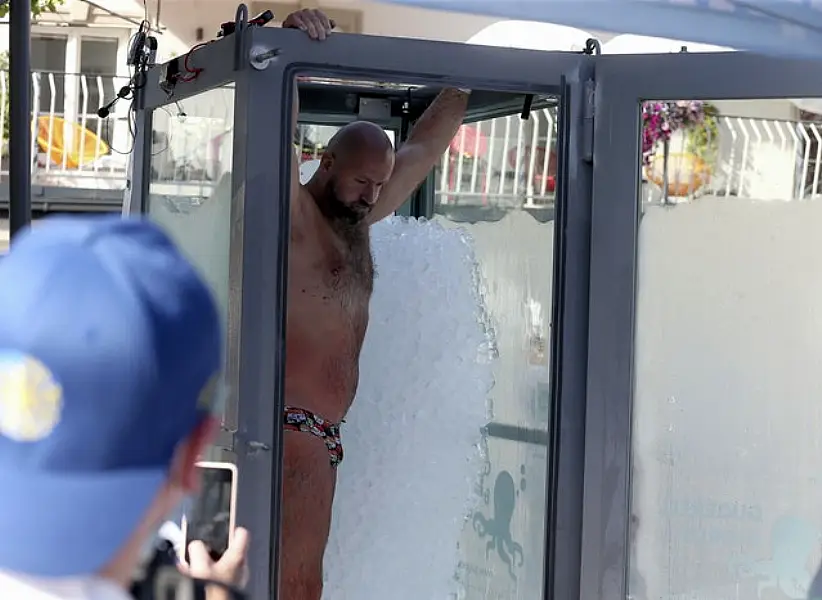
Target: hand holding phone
211 519
228 576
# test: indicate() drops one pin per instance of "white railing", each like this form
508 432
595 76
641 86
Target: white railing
506 161
71 146
763 159
503 162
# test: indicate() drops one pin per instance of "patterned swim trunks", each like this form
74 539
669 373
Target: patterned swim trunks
298 419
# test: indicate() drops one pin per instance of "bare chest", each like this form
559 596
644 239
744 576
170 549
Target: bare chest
330 280
332 270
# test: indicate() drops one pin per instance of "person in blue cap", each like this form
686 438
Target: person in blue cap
110 361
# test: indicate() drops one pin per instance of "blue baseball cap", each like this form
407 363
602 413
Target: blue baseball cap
110 352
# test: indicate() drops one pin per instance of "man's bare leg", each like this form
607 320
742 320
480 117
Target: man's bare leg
308 493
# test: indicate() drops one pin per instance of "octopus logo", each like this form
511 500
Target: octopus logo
31 400
498 528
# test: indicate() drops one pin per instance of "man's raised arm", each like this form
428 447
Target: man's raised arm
425 145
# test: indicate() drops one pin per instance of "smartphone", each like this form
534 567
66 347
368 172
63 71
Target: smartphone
210 518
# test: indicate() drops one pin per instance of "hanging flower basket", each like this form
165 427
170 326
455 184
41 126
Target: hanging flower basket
686 172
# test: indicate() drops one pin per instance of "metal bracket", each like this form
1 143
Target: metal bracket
261 57
592 47
589 115
240 44
405 126
527 103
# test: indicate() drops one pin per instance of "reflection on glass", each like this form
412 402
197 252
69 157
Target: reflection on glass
727 434
497 181
190 189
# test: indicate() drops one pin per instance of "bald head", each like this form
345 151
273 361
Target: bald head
360 137
353 169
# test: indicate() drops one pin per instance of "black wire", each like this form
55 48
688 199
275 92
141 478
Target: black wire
137 80
132 130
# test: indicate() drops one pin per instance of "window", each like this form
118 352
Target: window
726 413
97 82
76 72
48 60
98 67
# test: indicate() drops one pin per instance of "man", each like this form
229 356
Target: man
110 349
360 180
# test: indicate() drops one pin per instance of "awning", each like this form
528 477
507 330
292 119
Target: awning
531 35
643 44
784 28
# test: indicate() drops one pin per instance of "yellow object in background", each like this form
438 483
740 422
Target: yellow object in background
687 173
84 147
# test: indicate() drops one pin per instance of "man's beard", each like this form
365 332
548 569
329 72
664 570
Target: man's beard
337 211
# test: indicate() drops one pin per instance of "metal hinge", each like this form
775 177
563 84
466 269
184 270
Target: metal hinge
588 116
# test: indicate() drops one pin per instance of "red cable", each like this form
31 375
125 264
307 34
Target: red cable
193 72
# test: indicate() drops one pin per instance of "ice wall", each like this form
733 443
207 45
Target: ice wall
412 437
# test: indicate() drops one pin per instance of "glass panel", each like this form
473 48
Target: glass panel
98 83
190 189
48 57
727 434
418 360
498 164
497 181
75 148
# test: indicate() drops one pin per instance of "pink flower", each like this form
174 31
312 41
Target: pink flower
661 119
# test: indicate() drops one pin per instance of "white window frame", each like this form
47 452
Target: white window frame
71 90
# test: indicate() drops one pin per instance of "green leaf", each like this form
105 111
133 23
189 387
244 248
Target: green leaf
38 7
703 140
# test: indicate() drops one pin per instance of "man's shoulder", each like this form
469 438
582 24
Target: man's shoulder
302 199
302 206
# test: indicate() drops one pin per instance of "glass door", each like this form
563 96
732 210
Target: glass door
450 428
449 440
703 422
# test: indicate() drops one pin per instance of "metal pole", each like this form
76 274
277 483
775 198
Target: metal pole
19 116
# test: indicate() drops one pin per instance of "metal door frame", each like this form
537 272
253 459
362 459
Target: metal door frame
589 477
262 63
622 83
